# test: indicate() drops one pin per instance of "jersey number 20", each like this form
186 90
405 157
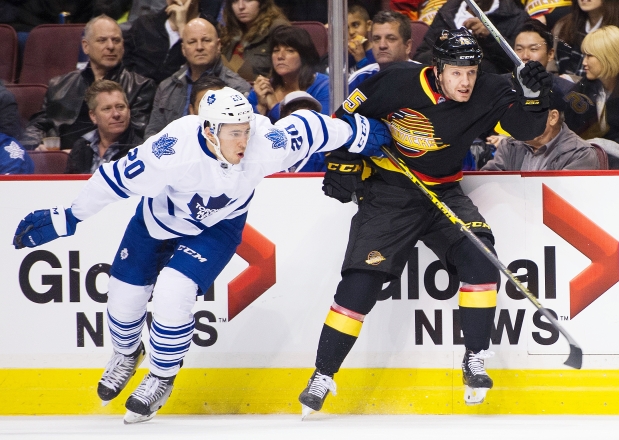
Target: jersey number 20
134 168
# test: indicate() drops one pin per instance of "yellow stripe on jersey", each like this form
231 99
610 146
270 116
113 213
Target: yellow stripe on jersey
343 323
501 130
478 300
425 85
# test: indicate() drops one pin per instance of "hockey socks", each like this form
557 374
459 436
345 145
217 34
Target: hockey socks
339 334
477 308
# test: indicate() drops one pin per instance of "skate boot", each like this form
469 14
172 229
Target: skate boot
117 373
148 398
314 395
474 376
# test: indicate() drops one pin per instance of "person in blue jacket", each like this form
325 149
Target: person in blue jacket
295 60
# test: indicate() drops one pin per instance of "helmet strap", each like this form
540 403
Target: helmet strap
216 146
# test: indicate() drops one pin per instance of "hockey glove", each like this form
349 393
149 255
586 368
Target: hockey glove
368 135
344 176
533 84
42 226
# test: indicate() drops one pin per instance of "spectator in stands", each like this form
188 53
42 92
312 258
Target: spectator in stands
596 114
64 112
409 8
585 17
113 136
13 157
201 48
391 42
557 148
294 60
10 123
359 47
245 36
506 16
153 44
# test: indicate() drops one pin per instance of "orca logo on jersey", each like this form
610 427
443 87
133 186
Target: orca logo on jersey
413 133
200 211
278 137
163 146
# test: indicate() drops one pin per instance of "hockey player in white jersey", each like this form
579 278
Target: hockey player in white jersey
196 179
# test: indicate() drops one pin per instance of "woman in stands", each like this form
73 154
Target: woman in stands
294 60
585 17
597 114
245 37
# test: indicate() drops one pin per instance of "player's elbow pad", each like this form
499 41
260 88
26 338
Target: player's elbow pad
368 135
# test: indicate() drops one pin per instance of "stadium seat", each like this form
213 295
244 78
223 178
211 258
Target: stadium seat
29 99
51 50
602 156
318 33
49 162
8 53
418 29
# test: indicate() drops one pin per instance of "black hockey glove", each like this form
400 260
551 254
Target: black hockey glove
343 179
533 84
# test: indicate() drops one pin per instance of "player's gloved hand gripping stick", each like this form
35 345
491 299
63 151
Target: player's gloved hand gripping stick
531 81
42 226
575 358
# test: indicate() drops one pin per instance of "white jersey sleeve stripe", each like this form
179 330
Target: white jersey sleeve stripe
112 185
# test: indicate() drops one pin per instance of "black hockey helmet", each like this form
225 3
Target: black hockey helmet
457 47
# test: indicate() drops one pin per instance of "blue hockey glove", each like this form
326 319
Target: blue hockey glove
368 135
533 84
42 226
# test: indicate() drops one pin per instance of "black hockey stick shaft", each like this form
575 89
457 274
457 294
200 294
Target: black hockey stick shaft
574 360
494 32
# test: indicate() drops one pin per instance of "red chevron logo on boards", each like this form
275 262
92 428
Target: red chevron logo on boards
259 252
595 243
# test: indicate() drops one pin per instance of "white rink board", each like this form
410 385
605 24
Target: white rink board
310 231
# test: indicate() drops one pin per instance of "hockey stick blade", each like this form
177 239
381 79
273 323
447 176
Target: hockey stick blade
574 360
494 32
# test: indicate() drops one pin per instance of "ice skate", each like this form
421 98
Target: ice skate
117 373
474 376
314 395
148 398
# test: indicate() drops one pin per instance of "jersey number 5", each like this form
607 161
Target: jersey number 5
134 168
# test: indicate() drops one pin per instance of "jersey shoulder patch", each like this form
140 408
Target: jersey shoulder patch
163 146
277 137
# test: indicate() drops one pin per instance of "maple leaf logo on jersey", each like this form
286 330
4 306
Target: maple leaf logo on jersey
200 211
14 151
211 99
413 133
278 137
163 146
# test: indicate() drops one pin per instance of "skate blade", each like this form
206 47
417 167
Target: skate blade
305 411
474 396
131 417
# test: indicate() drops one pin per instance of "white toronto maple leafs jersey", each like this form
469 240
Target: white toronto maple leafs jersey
185 188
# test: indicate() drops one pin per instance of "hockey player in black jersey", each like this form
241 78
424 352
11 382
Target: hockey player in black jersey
434 114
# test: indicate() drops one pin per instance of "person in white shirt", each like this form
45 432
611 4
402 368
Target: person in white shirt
196 178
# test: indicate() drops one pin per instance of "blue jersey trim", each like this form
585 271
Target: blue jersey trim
117 175
324 130
112 185
161 225
170 207
310 138
244 205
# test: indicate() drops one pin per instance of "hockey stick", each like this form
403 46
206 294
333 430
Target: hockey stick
494 32
575 358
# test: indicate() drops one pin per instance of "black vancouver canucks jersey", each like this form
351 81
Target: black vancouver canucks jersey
433 134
